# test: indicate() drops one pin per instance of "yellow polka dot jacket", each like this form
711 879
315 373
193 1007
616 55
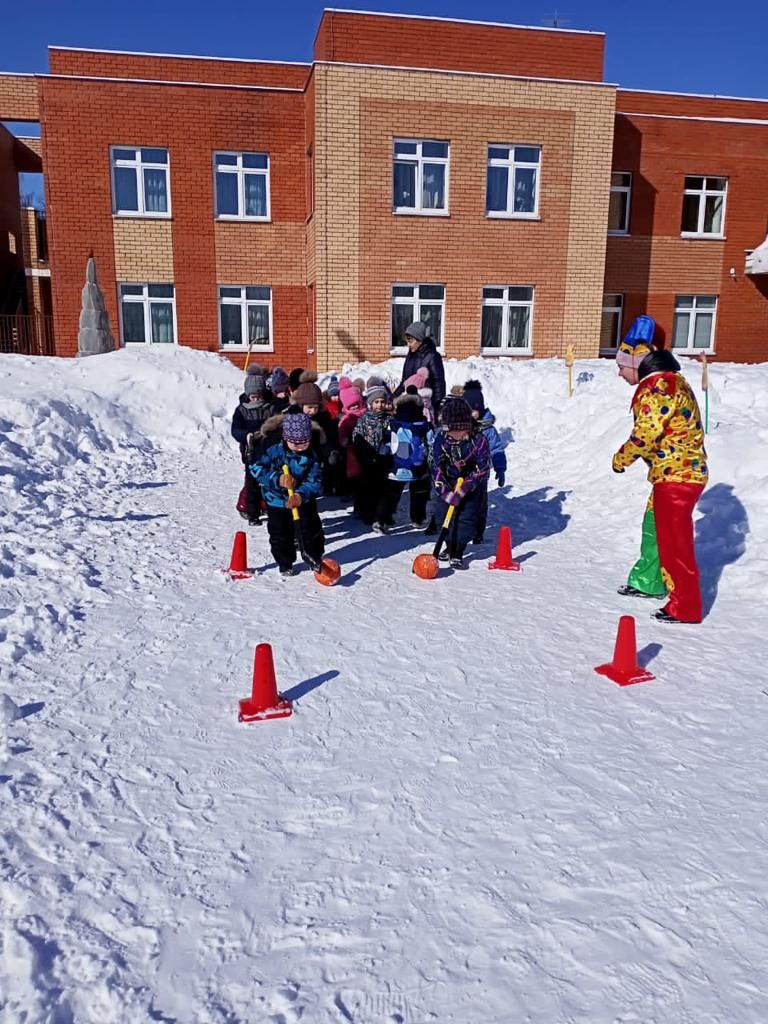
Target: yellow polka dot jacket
668 434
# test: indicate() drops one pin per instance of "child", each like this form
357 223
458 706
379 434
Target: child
371 443
305 479
279 385
460 449
248 418
473 396
419 381
411 440
309 399
353 407
332 399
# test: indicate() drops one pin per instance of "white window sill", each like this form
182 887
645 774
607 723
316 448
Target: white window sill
231 217
132 214
401 353
703 236
506 352
495 215
240 349
692 351
403 212
618 234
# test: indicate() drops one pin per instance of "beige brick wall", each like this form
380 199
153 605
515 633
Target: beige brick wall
143 250
361 248
18 98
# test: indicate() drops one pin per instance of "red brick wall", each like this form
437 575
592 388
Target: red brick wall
80 122
460 46
628 101
176 69
661 152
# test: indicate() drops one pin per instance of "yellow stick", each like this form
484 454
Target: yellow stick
569 361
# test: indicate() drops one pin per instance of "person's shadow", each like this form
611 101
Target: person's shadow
720 538
531 516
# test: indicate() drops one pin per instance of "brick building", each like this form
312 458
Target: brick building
481 177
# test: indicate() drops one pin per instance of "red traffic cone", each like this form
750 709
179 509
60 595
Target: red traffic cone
238 564
504 552
624 668
265 702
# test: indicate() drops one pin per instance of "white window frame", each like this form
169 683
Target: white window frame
506 303
703 193
416 301
512 164
691 312
139 166
615 308
627 191
417 158
241 172
243 302
146 301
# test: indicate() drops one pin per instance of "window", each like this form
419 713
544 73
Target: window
140 182
513 181
242 186
147 314
245 317
506 324
618 208
694 325
704 207
420 177
411 302
610 325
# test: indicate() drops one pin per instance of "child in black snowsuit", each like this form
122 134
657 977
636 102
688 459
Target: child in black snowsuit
253 410
411 440
460 451
371 444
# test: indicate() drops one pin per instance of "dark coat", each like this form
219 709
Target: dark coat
247 421
426 355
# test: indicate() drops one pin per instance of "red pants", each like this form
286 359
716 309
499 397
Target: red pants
673 508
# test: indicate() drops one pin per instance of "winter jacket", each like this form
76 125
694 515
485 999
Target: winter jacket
668 434
346 429
371 441
495 444
449 460
272 432
426 355
248 418
410 441
304 467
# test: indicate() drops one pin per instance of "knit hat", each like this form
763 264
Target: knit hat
637 343
294 378
306 391
333 388
297 428
376 388
419 378
456 414
408 406
348 393
255 382
473 396
417 330
278 381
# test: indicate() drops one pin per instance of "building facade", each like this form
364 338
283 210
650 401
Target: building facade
483 178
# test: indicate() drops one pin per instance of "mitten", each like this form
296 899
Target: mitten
286 481
500 479
294 501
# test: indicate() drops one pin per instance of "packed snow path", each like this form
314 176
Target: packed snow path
461 822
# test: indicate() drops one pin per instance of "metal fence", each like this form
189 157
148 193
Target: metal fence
27 335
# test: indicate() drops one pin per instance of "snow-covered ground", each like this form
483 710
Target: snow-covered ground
462 822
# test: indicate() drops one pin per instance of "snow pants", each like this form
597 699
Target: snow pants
466 520
282 534
673 510
418 496
646 572
252 496
373 496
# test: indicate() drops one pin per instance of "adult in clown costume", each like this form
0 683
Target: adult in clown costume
668 436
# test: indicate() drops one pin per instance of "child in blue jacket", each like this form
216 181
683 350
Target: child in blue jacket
411 438
485 420
460 451
305 479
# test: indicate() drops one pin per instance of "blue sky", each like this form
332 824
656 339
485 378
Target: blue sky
704 46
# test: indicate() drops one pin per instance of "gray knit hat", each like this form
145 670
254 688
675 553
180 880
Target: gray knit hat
376 388
255 381
417 330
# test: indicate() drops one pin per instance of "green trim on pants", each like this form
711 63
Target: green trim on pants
646 572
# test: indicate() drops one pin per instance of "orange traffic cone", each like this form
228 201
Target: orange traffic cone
504 552
265 702
238 564
624 668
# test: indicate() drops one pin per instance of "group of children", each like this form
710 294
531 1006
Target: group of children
358 441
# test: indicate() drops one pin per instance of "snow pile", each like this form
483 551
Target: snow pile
461 822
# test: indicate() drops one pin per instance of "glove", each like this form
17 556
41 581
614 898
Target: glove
286 481
294 501
500 479
455 497
334 458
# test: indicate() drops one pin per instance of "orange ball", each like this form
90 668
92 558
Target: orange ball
330 572
426 567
